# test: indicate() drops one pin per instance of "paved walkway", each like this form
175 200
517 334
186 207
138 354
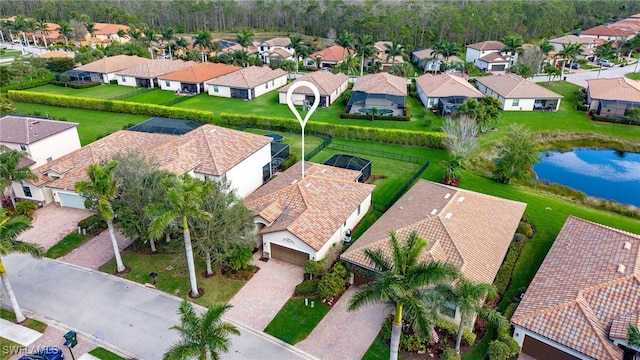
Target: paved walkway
343 335
260 299
54 336
52 223
17 333
116 311
96 252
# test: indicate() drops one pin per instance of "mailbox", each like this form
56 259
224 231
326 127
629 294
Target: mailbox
70 338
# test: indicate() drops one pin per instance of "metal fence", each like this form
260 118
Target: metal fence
128 94
382 207
318 148
377 153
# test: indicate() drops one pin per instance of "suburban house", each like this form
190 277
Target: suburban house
247 83
252 50
58 54
330 86
589 45
382 91
445 92
299 219
381 56
207 152
610 32
105 33
43 140
146 75
469 230
107 67
487 56
192 79
46 37
612 97
266 48
278 56
517 93
428 61
583 297
329 57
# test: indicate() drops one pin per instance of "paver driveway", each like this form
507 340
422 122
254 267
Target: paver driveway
260 299
52 223
97 251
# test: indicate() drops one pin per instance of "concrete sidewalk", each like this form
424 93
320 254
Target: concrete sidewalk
17 333
119 312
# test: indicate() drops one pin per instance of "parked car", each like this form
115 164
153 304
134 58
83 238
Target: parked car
605 63
47 353
573 65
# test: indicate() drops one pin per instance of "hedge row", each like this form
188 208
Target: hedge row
359 133
406 117
27 84
504 274
117 106
615 120
76 86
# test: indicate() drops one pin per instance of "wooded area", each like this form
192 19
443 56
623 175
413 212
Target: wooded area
413 23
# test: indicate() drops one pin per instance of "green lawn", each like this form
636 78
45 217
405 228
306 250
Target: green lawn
155 96
105 91
377 351
294 141
9 54
92 123
296 321
66 245
173 277
104 354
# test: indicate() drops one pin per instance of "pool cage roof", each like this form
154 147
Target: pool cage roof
168 126
353 163
80 76
361 96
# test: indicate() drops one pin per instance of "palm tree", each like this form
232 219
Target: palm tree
10 171
202 337
567 53
398 279
445 49
366 48
468 297
103 186
297 45
181 43
203 41
245 38
512 45
633 336
122 34
66 31
167 35
134 34
91 29
604 51
546 48
392 50
44 28
552 72
346 41
184 199
150 37
10 228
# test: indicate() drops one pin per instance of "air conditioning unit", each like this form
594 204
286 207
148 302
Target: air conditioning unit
347 236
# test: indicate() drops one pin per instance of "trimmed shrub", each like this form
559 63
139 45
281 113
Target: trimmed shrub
345 115
525 229
94 224
331 286
292 159
582 107
449 354
498 350
26 208
506 269
307 288
27 84
77 86
116 106
468 337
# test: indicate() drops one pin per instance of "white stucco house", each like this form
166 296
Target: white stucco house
300 219
208 152
487 55
192 79
146 75
444 92
247 83
107 67
516 93
330 87
268 47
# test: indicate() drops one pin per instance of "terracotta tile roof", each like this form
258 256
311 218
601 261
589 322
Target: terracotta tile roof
57 54
382 56
620 88
619 325
609 30
445 85
425 54
511 86
248 78
278 41
109 29
326 82
487 46
572 39
589 280
334 53
199 73
494 57
313 208
155 68
251 49
280 52
27 130
381 83
468 229
112 64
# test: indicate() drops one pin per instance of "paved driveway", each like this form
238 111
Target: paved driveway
343 335
260 299
52 223
96 252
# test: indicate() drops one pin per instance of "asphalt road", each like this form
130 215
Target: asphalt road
580 77
125 314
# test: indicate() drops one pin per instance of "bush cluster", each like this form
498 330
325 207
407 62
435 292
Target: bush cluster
332 283
27 84
504 274
345 115
503 348
431 140
307 288
26 208
449 354
468 337
94 224
615 120
116 106
76 86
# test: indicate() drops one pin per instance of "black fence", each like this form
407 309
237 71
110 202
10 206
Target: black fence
318 148
378 153
382 207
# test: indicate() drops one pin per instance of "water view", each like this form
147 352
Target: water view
606 174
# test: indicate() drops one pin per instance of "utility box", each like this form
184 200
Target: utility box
71 339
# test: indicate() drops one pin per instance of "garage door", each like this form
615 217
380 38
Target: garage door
71 200
289 255
497 67
541 351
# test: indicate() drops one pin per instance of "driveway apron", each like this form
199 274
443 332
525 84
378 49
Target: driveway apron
96 252
52 223
260 299
343 335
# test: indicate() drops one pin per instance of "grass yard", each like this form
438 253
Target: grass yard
104 354
66 245
155 96
173 277
294 141
105 91
295 321
9 54
377 351
92 123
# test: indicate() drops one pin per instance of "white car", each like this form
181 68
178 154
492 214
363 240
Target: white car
605 63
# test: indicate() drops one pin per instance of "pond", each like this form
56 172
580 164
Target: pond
607 174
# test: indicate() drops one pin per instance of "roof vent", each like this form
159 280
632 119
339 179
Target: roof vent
101 145
294 181
307 185
461 199
434 211
35 122
621 268
447 195
121 135
627 245
448 216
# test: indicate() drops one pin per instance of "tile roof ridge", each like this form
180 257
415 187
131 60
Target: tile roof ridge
543 311
211 152
609 283
637 236
596 326
455 245
520 82
26 129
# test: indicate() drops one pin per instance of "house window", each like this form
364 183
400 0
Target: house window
359 209
516 102
224 178
273 82
266 85
215 88
124 79
23 147
27 191
167 83
49 159
448 309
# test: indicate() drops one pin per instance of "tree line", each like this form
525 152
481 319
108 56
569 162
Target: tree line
414 23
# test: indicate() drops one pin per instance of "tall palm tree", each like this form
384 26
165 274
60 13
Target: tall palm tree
10 171
446 49
297 44
245 38
546 48
66 31
392 50
150 36
604 51
574 51
203 41
512 45
346 41
122 34
134 34
397 280
10 228
366 48
167 35
566 53
184 199
181 43
91 29
468 298
203 337
103 186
